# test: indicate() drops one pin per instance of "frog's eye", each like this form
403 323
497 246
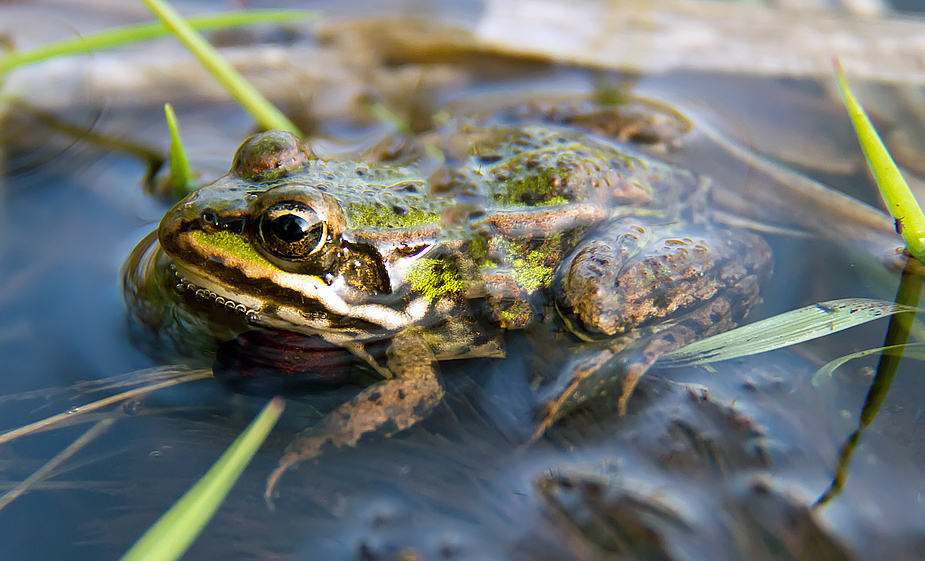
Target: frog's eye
292 230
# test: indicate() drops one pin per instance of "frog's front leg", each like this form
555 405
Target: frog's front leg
636 290
386 407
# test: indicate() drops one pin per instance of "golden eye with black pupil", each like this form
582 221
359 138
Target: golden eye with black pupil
292 230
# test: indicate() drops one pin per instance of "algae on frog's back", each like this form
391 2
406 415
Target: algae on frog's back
434 278
376 197
535 263
541 167
384 215
531 273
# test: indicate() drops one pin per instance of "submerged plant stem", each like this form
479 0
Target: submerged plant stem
86 438
47 422
909 294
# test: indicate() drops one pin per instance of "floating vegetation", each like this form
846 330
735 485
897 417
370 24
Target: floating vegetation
783 330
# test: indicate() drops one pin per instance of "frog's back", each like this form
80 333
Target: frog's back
507 169
542 166
376 197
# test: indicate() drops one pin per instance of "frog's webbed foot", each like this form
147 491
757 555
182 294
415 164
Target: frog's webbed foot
598 372
594 375
386 407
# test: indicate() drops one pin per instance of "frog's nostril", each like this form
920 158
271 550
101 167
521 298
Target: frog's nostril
209 219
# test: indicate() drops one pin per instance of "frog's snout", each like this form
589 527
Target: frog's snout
207 210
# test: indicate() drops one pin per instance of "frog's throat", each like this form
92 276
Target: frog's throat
311 289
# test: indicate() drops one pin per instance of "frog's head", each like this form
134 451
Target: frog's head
270 241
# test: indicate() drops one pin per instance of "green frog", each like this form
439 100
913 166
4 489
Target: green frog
530 223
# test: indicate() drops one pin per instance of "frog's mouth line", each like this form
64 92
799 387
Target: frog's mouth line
184 285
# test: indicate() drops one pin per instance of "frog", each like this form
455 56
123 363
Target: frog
531 223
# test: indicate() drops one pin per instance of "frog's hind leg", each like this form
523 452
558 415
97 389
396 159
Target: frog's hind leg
386 407
634 294
596 373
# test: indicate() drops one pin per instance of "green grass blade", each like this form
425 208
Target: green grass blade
911 350
384 115
142 32
176 530
245 94
910 222
897 336
783 330
180 174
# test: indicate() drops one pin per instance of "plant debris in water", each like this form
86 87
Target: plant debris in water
783 330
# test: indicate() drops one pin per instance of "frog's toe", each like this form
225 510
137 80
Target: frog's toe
590 376
309 446
597 374
632 375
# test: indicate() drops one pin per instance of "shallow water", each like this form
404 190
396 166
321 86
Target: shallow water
706 465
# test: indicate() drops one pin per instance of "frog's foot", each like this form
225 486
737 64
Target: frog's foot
583 382
595 374
386 407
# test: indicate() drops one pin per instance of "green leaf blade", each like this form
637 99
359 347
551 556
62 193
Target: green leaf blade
175 531
783 330
899 199
180 174
142 32
907 350
244 93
